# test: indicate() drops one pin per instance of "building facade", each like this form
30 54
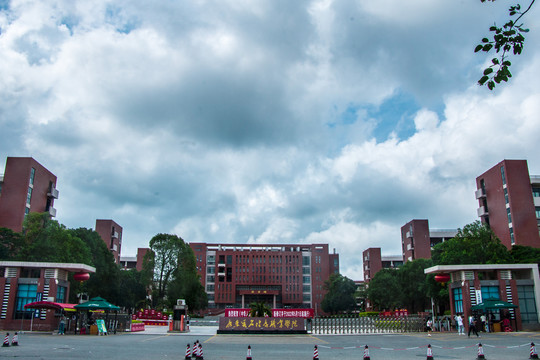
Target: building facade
509 203
26 186
281 276
134 262
518 284
373 262
23 282
417 239
111 233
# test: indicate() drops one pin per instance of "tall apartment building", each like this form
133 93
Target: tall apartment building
111 233
286 275
373 262
417 239
509 203
134 262
26 186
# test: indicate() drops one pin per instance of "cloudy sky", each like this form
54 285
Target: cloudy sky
263 121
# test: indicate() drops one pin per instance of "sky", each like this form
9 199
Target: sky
264 122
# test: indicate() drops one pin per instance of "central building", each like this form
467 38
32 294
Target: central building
281 276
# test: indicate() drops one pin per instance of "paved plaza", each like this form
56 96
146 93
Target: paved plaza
156 343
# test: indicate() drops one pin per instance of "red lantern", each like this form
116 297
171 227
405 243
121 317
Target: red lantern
442 278
81 276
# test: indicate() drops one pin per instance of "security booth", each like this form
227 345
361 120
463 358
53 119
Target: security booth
180 316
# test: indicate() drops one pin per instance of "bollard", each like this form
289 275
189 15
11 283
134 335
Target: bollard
15 340
188 353
315 353
480 352
194 349
533 353
248 357
366 353
6 340
200 356
429 352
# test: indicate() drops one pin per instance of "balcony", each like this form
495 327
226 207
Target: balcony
410 247
53 193
481 211
480 193
52 211
115 235
409 234
220 274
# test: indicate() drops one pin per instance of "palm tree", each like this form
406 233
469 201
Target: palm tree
259 309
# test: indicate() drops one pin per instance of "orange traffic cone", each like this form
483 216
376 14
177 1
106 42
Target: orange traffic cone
15 340
429 352
188 353
480 352
366 353
248 357
6 340
315 353
534 354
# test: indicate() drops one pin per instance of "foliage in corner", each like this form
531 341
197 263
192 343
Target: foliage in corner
506 39
259 309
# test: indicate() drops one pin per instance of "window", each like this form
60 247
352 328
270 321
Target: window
210 278
61 294
305 260
31 273
210 270
210 287
509 215
490 292
527 304
537 209
512 240
211 260
32 176
458 300
506 195
229 259
306 279
536 191
26 293
29 195
503 176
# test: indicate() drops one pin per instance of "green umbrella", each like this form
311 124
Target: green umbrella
491 303
97 303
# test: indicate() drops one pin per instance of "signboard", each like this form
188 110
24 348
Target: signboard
102 330
478 294
279 313
261 324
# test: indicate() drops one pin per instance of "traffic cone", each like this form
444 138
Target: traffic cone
194 349
188 353
200 357
315 353
480 352
248 357
6 340
366 353
534 354
429 352
15 340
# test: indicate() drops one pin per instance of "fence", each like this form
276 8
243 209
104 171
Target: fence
365 325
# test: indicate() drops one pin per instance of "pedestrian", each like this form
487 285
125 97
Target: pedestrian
429 325
483 321
62 326
472 326
460 327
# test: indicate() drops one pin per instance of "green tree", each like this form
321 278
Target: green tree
10 244
186 283
383 290
339 296
474 244
525 254
505 39
259 309
132 288
413 284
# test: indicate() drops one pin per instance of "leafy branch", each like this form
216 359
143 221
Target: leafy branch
507 38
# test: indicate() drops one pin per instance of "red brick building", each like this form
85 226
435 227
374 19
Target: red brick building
111 233
24 282
509 202
26 186
373 262
417 239
285 275
134 262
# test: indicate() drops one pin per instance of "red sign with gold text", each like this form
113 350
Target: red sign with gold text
261 324
281 313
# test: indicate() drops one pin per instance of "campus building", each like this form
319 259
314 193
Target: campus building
134 262
518 284
285 275
26 186
509 203
373 262
111 233
24 282
417 239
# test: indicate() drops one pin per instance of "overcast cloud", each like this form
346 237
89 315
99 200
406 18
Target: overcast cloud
263 121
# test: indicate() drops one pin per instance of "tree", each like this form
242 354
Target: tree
413 284
132 289
383 290
507 38
525 254
259 309
339 296
166 260
474 244
10 244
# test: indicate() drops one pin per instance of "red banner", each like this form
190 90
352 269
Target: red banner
281 313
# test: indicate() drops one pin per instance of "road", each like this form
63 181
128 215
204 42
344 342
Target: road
156 343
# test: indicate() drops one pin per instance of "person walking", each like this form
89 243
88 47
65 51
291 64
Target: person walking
429 325
472 326
460 327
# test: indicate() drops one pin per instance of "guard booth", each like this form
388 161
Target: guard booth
180 316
